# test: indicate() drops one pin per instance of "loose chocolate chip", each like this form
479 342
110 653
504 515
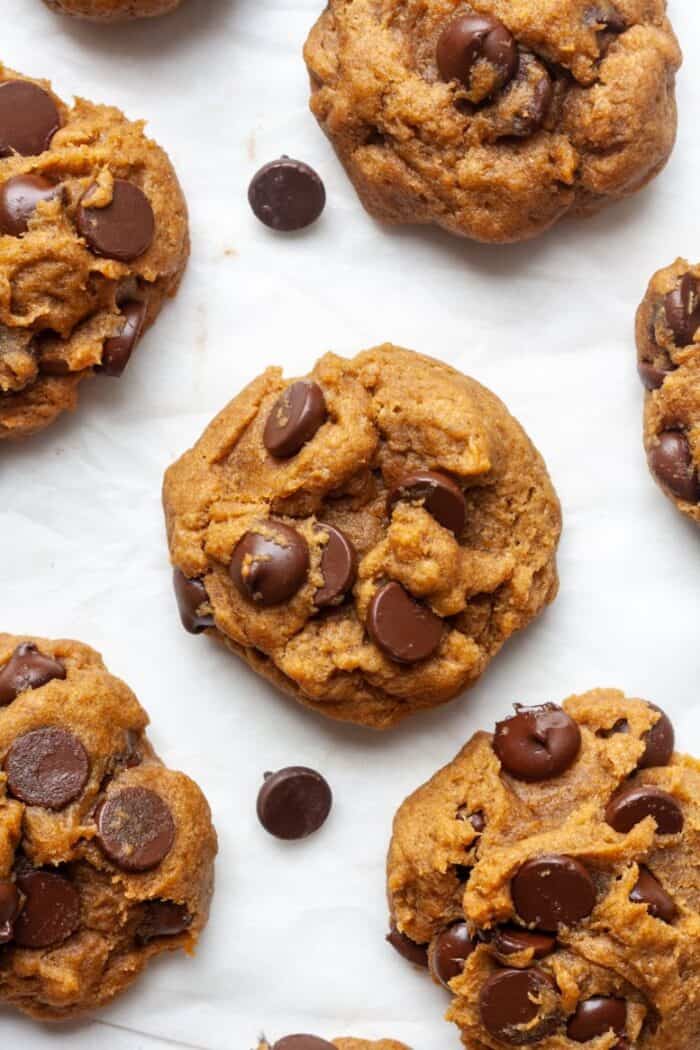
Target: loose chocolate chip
29 119
286 195
440 496
660 741
597 1016
19 197
651 376
405 629
553 889
408 949
26 669
191 598
682 307
270 569
135 829
294 802
634 803
48 767
294 419
509 940
9 909
338 567
302 1042
162 919
671 462
51 910
117 350
649 891
471 44
122 230
511 1000
538 742
449 951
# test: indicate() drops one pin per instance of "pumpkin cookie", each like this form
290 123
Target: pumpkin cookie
106 856
112 10
367 537
93 240
550 875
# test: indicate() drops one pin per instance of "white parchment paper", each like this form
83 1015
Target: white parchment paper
295 941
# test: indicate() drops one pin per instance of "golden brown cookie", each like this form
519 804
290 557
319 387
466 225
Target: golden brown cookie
112 10
496 118
368 537
312 1042
551 873
668 353
106 856
93 239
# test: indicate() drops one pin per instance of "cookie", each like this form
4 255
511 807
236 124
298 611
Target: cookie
112 10
312 1042
106 856
550 871
494 120
367 537
668 356
93 239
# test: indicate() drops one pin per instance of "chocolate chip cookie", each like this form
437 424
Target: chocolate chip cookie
112 10
93 239
549 875
668 354
367 537
312 1042
106 856
494 119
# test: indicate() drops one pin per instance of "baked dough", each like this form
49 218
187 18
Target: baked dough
113 10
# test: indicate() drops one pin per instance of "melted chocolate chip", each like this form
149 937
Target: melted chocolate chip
124 229
636 802
408 949
478 51
270 569
294 802
449 951
19 198
47 767
651 376
117 350
477 820
660 741
671 462
649 891
338 567
595 1017
538 742
286 195
552 890
510 1001
9 909
438 493
26 669
29 119
294 419
51 910
135 829
509 940
163 919
406 630
302 1042
192 598
682 309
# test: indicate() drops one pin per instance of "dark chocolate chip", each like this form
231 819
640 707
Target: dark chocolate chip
192 598
29 119
552 890
660 741
538 742
270 568
510 1001
117 350
302 1042
408 949
651 376
532 94
682 308
294 419
671 462
135 829
26 669
477 820
621 726
338 567
476 42
440 496
638 801
286 195
649 891
47 767
509 940
51 910
163 919
19 197
406 630
294 802
605 17
122 230
597 1016
9 909
449 951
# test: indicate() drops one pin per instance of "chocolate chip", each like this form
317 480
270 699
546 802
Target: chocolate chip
294 419
286 194
621 726
440 496
638 801
509 940
552 889
408 949
124 229
294 802
509 1003
477 820
9 909
191 598
48 767
682 308
162 919
660 741
605 17
135 829
19 197
649 891
270 569
651 376
406 630
538 742
117 350
527 101
29 119
480 52
51 910
449 951
338 567
671 462
26 669
302 1042
597 1016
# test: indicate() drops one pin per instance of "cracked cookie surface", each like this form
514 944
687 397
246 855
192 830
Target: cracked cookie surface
371 564
106 856
112 10
550 874
93 239
494 119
